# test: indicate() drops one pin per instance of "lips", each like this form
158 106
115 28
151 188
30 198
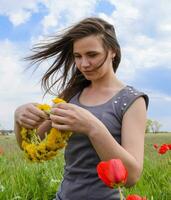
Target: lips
87 71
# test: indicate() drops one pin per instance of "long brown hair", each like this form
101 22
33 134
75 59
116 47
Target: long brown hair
60 48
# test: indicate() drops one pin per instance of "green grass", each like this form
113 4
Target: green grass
155 182
20 179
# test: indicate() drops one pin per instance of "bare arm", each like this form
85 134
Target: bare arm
132 150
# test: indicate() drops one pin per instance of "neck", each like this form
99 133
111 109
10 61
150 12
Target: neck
108 82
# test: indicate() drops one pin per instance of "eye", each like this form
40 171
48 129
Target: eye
77 56
92 55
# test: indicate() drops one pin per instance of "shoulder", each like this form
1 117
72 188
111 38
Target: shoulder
129 96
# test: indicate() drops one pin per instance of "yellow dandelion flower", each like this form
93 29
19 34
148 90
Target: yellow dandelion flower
37 150
24 133
43 106
41 147
24 144
58 100
31 151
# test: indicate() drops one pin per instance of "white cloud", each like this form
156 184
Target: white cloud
12 69
57 11
165 123
16 87
18 11
159 108
9 68
144 52
165 27
19 18
63 13
143 33
155 95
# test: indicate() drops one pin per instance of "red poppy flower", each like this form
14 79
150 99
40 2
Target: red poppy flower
135 197
155 146
112 173
169 145
163 149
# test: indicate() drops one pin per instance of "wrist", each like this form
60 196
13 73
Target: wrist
95 129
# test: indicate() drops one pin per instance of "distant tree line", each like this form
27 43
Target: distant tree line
5 132
153 126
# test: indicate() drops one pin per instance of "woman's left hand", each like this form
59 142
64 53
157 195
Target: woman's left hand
70 117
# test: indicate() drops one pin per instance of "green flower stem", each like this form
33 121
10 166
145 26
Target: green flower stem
121 196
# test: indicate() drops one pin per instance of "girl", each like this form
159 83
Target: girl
107 117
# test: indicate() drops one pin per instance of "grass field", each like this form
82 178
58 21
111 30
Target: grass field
20 179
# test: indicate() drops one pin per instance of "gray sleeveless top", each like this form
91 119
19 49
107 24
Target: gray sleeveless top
80 180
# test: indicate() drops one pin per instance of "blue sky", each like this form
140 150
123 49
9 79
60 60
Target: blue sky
143 30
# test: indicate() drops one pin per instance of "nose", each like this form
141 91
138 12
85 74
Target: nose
84 62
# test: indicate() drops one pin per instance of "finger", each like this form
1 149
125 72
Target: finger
36 111
61 127
28 121
58 119
34 117
59 111
71 106
62 105
27 126
65 106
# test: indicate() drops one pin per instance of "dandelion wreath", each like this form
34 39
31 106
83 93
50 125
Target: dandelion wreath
38 150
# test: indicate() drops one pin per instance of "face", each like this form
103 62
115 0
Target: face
89 56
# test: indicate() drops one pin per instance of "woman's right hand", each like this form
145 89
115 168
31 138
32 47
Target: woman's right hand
29 116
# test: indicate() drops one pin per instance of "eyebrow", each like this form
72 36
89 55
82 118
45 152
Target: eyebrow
88 52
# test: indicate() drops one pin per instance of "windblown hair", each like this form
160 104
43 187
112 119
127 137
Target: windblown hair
60 48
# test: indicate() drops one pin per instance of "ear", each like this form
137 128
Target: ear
113 55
